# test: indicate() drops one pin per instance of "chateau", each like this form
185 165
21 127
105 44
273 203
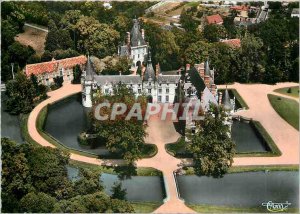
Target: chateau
135 47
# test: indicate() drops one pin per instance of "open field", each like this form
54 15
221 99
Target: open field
288 109
33 37
294 92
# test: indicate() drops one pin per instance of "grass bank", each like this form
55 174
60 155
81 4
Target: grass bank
288 109
145 207
289 91
237 169
179 148
148 150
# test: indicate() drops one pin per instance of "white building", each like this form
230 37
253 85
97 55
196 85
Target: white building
135 46
295 13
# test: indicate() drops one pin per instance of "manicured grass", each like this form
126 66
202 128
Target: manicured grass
140 171
294 91
145 207
236 169
288 109
203 208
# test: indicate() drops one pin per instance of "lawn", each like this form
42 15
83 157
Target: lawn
293 92
288 109
33 37
145 207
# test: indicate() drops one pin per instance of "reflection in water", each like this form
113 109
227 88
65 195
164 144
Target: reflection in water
247 189
245 137
10 124
138 188
66 120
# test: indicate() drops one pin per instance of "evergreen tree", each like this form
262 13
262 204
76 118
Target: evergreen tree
76 74
118 192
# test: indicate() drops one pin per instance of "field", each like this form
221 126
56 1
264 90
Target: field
33 37
294 92
288 109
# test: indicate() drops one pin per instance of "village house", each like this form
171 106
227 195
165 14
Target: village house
214 19
46 71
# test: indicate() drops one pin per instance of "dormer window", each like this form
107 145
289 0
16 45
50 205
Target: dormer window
61 71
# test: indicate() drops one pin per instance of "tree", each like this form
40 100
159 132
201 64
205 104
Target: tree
76 74
128 143
212 148
96 38
197 52
57 38
118 192
58 81
37 203
88 183
213 32
187 21
9 31
20 93
20 53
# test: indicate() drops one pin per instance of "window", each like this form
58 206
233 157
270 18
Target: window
61 71
139 91
149 91
159 98
159 90
167 98
167 90
138 56
106 91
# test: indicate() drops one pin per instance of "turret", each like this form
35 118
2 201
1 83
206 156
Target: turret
87 84
206 74
149 72
226 101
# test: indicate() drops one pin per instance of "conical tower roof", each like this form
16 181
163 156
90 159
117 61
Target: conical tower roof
89 70
226 101
206 68
149 72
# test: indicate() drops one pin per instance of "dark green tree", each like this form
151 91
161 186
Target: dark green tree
212 148
20 93
213 32
76 74
37 203
118 192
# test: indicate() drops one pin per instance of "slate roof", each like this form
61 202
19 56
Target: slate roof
208 98
206 68
115 79
196 80
149 72
214 19
124 51
226 101
90 71
168 78
136 38
52 66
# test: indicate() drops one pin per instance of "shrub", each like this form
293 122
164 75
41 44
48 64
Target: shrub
289 90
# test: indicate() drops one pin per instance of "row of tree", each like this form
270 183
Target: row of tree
35 179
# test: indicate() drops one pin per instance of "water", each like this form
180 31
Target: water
247 189
139 188
66 120
246 138
10 124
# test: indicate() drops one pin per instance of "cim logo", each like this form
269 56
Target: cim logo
276 207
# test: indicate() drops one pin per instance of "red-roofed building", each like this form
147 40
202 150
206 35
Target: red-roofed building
240 8
214 19
235 43
46 71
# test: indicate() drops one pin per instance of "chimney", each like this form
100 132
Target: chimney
143 33
128 38
157 69
206 81
120 73
220 98
187 67
202 73
213 89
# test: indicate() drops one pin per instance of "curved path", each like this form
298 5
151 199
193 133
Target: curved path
284 135
163 132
